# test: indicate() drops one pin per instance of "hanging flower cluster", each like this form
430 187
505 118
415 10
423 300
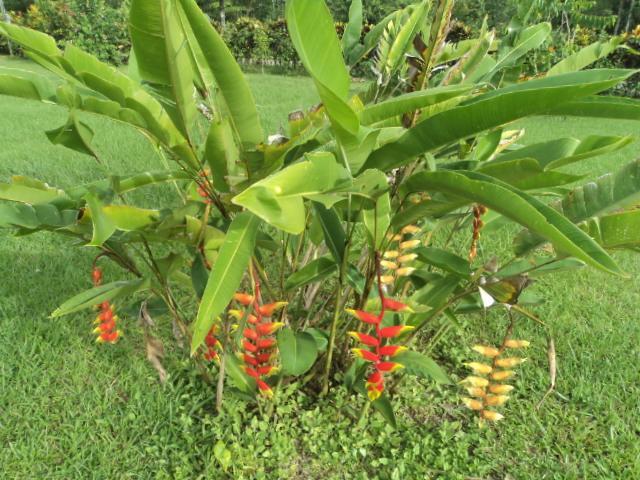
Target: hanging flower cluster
478 212
106 330
397 261
486 386
378 349
259 344
211 344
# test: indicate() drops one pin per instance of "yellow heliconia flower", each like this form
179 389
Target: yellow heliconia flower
486 351
495 400
387 279
409 244
491 416
410 257
503 375
389 265
476 391
476 381
500 389
405 271
391 254
517 343
509 362
410 230
473 404
394 238
480 368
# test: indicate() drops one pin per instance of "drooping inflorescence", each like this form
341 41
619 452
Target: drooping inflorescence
107 329
486 386
259 344
398 259
478 212
212 344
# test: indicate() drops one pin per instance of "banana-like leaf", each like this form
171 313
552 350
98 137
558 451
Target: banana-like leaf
75 135
444 260
312 272
334 235
609 193
529 39
130 219
226 274
221 153
24 84
565 151
422 366
279 199
472 59
103 225
403 42
377 219
36 217
233 85
351 36
585 56
29 191
410 102
601 107
492 110
617 230
518 206
314 37
162 58
107 292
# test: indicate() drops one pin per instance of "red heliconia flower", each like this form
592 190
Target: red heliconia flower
259 344
380 353
212 344
107 328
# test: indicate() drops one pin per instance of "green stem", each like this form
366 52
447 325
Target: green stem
332 339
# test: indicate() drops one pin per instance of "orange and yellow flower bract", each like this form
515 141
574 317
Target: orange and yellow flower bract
259 344
380 355
483 386
106 330
397 260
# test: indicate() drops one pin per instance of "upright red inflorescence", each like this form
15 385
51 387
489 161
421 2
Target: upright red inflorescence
259 344
211 345
106 330
380 352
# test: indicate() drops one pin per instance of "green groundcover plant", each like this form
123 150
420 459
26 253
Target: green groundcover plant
316 256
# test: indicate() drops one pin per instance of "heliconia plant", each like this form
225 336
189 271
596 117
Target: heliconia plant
364 204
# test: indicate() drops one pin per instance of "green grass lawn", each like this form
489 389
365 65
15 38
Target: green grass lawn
71 409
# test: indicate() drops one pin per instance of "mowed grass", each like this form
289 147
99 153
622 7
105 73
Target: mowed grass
71 409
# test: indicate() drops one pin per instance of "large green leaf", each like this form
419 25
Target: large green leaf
103 225
607 194
617 230
530 38
601 107
226 274
585 56
409 102
233 85
298 351
75 135
335 237
444 260
28 191
162 57
24 84
351 35
312 272
518 206
95 296
377 219
403 41
492 110
279 199
421 366
314 37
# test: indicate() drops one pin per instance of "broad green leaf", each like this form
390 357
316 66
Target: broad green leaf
314 37
312 272
526 174
95 296
518 206
472 59
321 337
383 407
585 56
529 39
162 57
444 260
376 220
492 110
351 35
298 351
19 192
232 83
422 366
39 42
402 43
601 107
334 235
75 135
32 217
103 225
240 379
221 153
410 102
565 151
128 218
617 230
613 191
227 273
24 84
279 199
